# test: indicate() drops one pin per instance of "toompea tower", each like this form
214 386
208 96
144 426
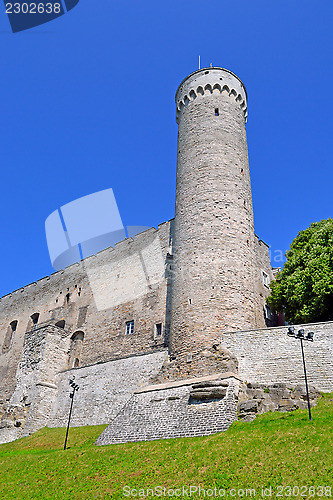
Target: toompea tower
213 278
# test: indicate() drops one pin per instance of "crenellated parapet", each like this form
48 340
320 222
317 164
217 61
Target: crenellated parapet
209 81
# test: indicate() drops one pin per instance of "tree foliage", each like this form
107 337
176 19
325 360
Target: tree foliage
303 290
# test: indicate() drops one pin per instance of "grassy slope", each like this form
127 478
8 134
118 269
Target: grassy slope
274 449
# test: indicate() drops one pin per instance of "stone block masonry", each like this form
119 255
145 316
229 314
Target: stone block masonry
95 297
172 411
104 389
259 398
268 355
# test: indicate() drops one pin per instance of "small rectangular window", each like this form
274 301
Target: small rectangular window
265 279
129 327
217 112
158 329
268 312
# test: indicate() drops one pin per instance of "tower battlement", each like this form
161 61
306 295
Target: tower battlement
209 81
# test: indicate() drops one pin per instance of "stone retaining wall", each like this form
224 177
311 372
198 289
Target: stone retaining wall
268 356
173 412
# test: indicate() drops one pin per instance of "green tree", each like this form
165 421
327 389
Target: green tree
303 290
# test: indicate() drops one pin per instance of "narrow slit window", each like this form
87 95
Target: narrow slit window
268 312
76 348
217 113
9 336
158 329
129 327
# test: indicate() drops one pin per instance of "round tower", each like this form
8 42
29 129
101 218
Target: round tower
213 247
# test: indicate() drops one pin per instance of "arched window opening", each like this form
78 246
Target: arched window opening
75 351
60 324
33 321
68 295
34 318
9 338
13 325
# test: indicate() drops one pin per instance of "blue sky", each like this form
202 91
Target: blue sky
87 103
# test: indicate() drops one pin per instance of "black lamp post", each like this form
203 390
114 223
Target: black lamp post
75 388
300 335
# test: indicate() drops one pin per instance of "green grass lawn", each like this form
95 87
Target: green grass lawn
275 450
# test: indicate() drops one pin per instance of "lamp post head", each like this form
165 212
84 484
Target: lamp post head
310 336
291 331
300 334
72 384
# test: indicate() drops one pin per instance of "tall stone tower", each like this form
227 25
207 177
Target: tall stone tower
213 287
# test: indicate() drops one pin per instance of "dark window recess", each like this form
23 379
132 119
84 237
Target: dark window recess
217 113
75 351
9 336
34 318
60 324
67 297
13 326
82 316
158 329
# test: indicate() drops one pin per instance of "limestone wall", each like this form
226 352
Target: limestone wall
96 297
170 413
268 356
263 277
104 389
30 406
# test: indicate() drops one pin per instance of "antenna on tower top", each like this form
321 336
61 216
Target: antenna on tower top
199 62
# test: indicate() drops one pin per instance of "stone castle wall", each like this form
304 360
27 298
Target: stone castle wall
80 330
104 389
96 298
268 356
262 268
